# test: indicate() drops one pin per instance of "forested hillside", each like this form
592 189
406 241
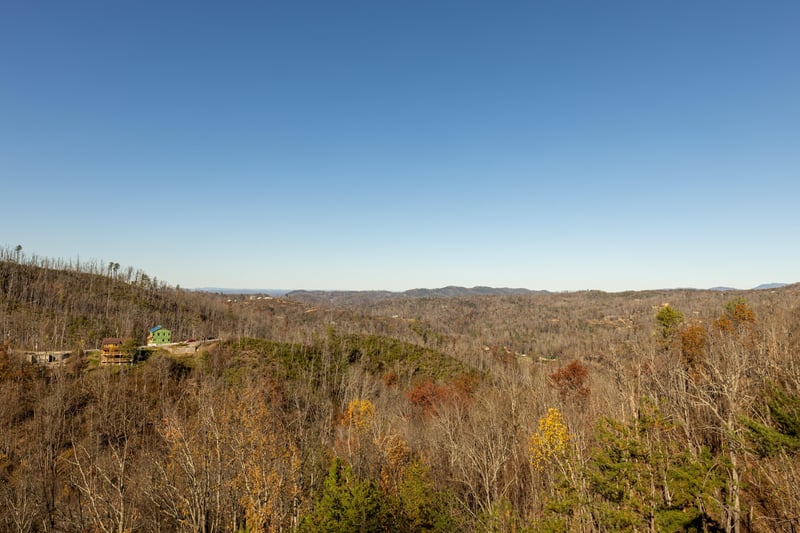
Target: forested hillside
641 411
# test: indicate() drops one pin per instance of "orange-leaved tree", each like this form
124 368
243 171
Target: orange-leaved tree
571 381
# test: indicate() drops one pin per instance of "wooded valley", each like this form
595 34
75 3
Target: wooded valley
674 410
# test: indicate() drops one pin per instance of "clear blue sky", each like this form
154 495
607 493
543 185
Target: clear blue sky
558 145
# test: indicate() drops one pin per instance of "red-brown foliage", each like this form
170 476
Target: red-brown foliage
429 397
389 378
571 381
693 343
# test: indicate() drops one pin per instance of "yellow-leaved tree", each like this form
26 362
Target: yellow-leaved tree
354 444
551 441
359 415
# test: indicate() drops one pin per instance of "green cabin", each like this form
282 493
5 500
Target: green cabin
159 335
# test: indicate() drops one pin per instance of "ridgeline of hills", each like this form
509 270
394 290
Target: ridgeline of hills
768 286
469 410
48 304
357 297
360 297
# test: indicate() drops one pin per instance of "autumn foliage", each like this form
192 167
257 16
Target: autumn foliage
606 412
550 441
693 340
571 381
737 315
428 397
359 415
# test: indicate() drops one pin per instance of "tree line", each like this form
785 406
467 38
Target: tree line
649 411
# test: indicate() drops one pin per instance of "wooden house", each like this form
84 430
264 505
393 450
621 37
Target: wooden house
111 346
112 351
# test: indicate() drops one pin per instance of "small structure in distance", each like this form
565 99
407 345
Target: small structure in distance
158 335
111 346
116 350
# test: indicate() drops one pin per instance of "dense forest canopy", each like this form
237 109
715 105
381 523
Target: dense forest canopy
642 411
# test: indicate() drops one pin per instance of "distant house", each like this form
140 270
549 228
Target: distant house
158 335
113 350
111 346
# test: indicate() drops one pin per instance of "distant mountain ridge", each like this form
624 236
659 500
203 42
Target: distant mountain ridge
221 290
763 286
344 297
771 286
356 297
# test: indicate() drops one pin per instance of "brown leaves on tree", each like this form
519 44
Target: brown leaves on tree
428 397
571 381
693 341
738 319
